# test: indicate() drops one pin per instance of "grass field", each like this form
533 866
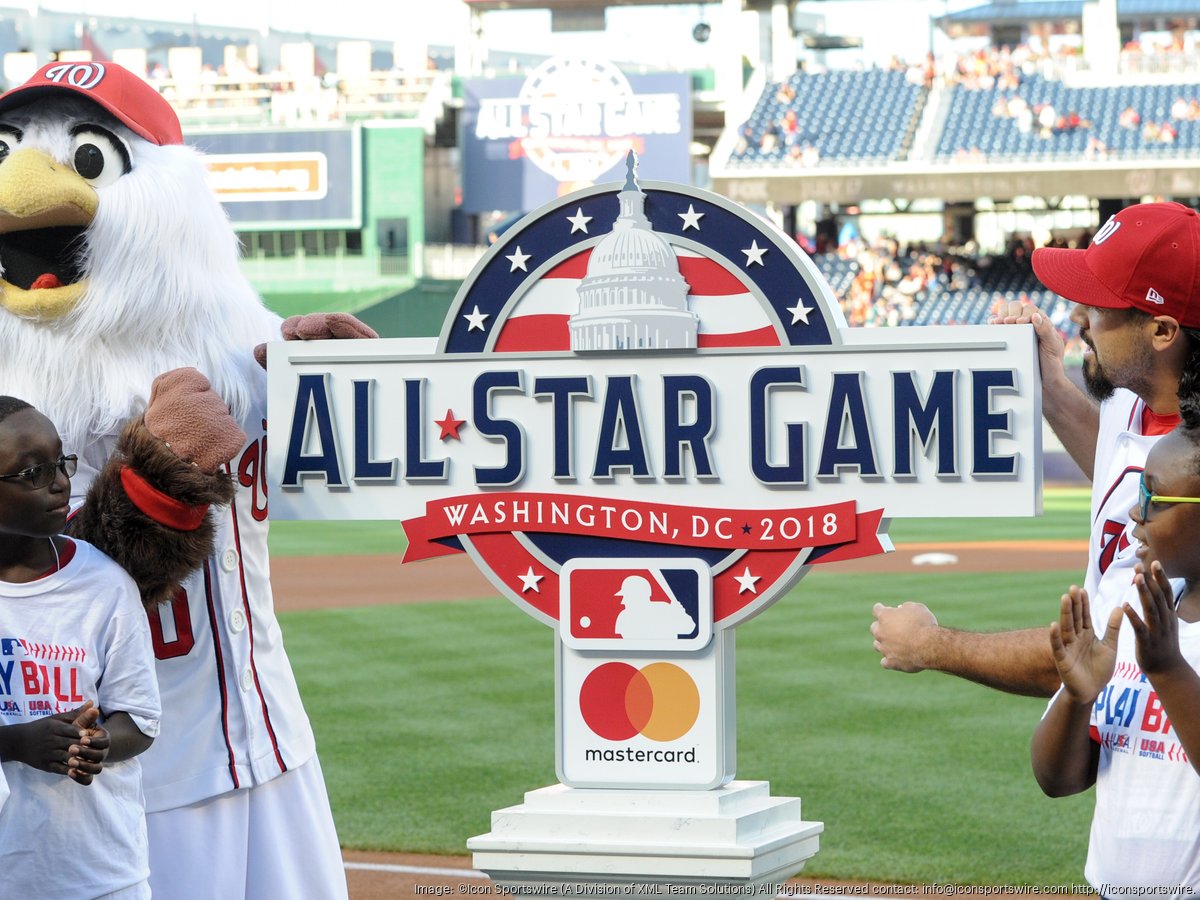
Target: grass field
445 712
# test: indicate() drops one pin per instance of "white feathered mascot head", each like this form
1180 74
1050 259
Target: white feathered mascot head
117 261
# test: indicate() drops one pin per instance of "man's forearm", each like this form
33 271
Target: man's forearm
1074 418
1016 662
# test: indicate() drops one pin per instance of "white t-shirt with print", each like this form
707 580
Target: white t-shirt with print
1146 826
77 634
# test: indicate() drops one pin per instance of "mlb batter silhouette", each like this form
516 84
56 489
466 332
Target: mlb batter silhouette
645 617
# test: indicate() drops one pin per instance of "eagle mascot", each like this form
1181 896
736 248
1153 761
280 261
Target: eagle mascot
125 319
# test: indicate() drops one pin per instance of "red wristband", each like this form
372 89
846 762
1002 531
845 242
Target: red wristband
158 506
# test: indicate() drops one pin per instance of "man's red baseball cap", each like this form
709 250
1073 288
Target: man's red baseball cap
118 90
1147 257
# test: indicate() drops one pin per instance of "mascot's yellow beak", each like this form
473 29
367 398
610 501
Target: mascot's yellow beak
44 208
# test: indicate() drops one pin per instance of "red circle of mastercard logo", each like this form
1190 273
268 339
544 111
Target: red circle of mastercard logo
659 701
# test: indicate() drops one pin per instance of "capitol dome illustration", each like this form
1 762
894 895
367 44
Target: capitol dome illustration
633 297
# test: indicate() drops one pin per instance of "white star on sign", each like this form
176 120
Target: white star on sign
475 317
518 261
579 221
747 581
754 254
529 581
799 312
691 218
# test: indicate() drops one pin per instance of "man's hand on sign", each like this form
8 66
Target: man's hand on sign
1050 342
899 633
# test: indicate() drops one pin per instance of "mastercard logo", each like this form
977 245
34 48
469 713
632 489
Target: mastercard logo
659 701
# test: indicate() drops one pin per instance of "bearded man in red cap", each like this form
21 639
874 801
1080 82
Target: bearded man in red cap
1136 290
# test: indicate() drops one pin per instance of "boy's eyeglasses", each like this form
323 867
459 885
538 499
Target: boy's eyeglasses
1147 498
42 475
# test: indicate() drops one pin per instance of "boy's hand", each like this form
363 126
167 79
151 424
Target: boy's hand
1157 629
1084 663
47 744
87 755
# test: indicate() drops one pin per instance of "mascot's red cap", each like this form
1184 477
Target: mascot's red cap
118 90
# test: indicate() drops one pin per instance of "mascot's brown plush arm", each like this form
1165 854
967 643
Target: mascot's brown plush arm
148 508
318 327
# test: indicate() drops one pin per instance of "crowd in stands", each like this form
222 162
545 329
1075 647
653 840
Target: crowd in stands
242 93
1005 67
886 283
881 283
1024 93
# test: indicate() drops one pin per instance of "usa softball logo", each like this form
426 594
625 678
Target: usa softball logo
659 701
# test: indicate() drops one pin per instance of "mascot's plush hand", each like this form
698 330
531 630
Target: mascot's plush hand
318 327
148 507
185 413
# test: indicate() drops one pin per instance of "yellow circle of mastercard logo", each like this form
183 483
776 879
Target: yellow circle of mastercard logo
659 701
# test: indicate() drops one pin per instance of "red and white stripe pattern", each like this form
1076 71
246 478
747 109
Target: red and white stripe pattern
730 314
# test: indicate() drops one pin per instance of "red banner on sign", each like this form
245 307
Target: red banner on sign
660 523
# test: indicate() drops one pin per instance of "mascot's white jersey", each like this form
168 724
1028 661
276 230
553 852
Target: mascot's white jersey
232 715
1121 451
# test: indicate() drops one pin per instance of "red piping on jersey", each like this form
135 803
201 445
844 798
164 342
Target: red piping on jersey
216 635
237 541
1128 470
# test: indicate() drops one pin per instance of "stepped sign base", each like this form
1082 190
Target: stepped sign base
565 841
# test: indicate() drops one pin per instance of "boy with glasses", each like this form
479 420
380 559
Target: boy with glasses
78 694
1127 718
43 474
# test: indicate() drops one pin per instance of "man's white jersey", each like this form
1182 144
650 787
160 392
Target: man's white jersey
1121 451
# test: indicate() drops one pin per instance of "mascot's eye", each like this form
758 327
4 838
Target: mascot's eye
9 138
99 156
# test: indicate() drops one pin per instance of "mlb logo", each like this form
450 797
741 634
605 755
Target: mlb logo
615 605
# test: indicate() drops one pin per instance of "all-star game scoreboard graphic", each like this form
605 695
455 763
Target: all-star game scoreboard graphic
644 421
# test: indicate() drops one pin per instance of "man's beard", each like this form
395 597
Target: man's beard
1096 382
1135 374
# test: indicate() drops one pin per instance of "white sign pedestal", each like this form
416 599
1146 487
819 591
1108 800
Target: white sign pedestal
565 841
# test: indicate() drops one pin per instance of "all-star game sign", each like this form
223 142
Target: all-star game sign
644 421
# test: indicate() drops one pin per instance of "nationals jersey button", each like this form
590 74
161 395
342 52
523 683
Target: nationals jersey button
247 679
229 560
237 621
